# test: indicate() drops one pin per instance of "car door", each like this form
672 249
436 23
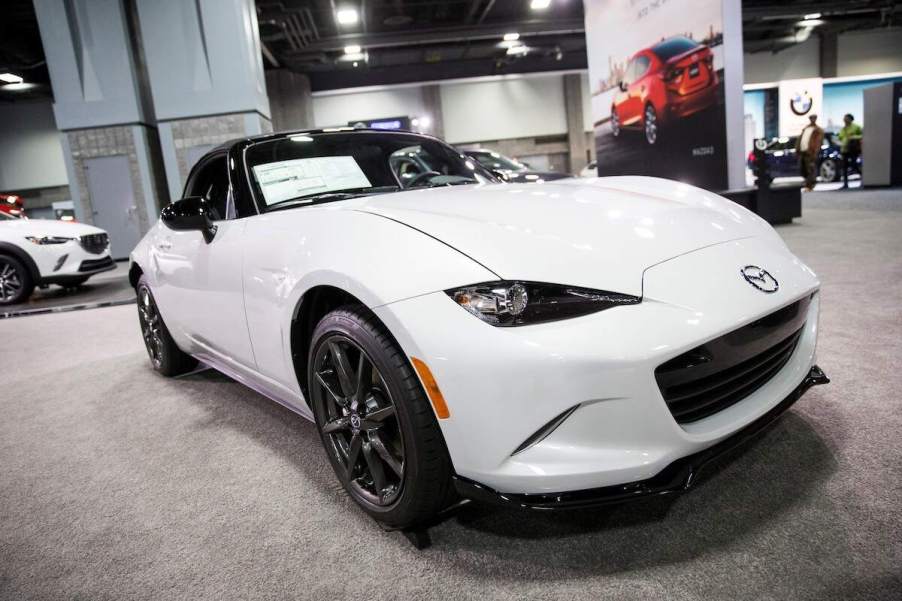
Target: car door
199 284
639 87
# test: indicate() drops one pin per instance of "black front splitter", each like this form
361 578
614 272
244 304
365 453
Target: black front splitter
677 477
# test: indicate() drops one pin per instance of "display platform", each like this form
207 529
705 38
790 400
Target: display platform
777 204
103 290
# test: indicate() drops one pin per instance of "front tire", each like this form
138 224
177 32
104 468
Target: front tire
16 284
165 356
376 424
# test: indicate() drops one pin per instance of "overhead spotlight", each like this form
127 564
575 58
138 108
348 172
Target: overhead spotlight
511 37
352 49
347 15
813 16
810 23
424 122
10 78
539 4
518 50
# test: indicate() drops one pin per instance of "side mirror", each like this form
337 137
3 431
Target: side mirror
622 86
502 175
191 213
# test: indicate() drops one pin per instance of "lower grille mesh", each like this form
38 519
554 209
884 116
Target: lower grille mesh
722 372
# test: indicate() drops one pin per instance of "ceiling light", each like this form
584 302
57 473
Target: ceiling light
511 37
508 44
810 23
813 16
347 16
518 50
357 56
352 49
10 78
18 87
424 121
539 4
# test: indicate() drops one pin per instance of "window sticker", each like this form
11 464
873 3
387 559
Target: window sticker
286 180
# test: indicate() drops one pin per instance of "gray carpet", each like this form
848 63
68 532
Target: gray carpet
119 484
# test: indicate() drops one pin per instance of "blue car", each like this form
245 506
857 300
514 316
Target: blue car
783 162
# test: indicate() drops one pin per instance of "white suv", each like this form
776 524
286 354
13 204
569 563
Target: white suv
38 252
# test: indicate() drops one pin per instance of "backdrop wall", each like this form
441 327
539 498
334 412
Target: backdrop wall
31 155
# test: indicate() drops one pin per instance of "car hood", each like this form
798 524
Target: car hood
600 233
530 177
50 227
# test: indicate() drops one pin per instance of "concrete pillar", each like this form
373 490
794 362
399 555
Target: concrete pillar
206 77
290 100
432 103
829 54
103 110
577 140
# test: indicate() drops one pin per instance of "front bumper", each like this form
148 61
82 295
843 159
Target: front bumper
677 477
502 385
69 262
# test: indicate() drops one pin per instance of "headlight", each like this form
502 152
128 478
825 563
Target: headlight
524 303
48 239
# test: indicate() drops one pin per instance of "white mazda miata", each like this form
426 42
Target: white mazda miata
557 345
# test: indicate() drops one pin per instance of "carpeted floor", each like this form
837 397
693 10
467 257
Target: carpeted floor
119 484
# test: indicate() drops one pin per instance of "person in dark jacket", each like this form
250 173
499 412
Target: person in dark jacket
807 147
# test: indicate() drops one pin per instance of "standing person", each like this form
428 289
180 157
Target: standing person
849 145
807 147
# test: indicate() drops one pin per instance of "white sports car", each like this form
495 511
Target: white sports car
563 345
39 252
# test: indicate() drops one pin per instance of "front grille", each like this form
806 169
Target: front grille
723 371
94 264
95 243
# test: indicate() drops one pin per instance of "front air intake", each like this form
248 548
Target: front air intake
723 371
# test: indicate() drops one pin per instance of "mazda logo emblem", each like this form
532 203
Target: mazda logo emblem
760 279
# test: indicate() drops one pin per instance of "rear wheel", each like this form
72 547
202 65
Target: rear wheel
651 124
376 424
16 284
165 356
829 170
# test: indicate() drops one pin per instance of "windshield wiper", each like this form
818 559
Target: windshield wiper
329 197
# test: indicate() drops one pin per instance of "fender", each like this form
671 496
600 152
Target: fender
7 248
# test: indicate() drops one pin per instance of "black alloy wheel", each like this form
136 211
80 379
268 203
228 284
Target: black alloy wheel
15 281
378 428
165 355
358 421
151 326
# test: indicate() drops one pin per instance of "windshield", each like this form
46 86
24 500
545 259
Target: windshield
323 167
494 160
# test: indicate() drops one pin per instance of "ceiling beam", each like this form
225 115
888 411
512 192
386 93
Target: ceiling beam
427 37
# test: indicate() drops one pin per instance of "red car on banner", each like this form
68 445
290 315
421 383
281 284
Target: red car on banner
670 80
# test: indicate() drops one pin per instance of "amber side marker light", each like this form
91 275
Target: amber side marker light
432 389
